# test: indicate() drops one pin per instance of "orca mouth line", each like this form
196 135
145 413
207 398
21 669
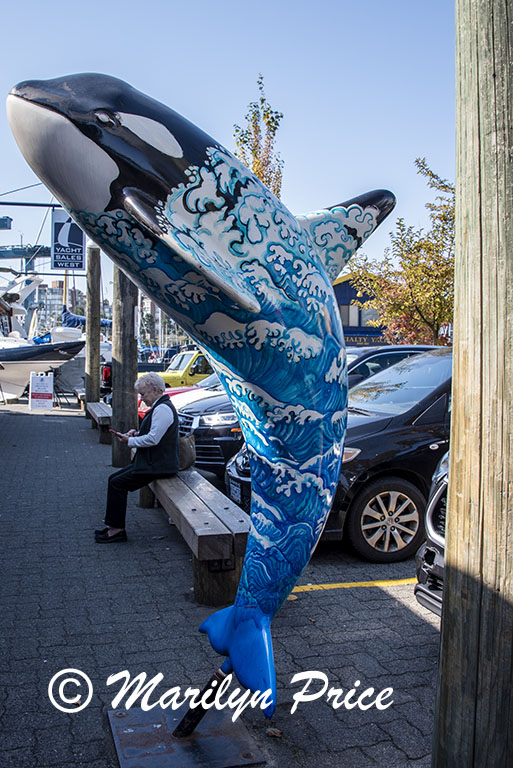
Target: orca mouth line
37 103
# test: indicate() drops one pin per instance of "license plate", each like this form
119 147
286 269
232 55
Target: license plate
235 491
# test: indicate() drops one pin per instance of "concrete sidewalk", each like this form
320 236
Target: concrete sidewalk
70 603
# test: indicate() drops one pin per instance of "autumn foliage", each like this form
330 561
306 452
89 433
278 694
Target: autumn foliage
256 141
412 287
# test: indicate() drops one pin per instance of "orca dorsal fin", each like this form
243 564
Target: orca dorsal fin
143 210
339 230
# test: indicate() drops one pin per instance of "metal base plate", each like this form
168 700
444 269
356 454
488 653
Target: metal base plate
145 740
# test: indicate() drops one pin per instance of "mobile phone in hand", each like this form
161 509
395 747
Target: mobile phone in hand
118 434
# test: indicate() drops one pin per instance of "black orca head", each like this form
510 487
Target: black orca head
89 136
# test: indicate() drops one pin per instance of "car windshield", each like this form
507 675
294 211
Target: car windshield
400 387
179 361
209 381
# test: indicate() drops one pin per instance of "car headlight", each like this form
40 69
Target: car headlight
242 461
442 469
219 420
350 454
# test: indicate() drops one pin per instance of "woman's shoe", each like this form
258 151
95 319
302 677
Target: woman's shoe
104 538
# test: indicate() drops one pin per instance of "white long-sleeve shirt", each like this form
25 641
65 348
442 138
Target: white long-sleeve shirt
161 419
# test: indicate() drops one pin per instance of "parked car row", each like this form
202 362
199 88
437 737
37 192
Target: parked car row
182 395
398 426
214 424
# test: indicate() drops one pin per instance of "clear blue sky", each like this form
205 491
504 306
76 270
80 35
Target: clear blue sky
365 88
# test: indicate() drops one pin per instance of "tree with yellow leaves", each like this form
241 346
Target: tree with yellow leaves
256 142
412 288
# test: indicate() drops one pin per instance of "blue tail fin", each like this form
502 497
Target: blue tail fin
244 636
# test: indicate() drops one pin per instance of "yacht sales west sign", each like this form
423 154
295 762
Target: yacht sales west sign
68 242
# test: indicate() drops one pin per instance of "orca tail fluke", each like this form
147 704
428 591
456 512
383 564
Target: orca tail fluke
244 636
338 231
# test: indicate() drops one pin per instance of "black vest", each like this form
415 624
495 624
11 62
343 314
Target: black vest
162 459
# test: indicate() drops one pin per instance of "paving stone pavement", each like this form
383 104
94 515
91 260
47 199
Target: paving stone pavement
67 602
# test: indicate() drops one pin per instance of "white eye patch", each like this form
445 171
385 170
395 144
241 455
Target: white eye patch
151 132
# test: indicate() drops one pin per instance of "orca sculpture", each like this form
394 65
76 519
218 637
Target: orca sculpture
251 283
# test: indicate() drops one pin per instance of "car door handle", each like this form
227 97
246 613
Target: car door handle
436 446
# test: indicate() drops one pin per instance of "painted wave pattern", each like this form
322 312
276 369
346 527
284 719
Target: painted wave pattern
283 368
327 230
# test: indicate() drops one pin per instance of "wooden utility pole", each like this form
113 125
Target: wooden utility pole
474 720
92 361
124 364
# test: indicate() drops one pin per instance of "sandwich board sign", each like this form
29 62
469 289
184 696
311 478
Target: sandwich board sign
68 242
41 391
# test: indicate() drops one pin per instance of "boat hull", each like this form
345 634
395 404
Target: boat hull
17 363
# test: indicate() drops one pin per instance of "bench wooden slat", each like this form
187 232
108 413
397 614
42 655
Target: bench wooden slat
223 508
80 395
205 534
100 412
101 415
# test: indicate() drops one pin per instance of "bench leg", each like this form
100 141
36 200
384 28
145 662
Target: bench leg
105 435
213 586
146 498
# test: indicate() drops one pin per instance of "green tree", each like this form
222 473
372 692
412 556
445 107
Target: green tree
256 141
412 288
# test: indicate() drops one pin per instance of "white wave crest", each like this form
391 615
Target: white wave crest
337 369
293 342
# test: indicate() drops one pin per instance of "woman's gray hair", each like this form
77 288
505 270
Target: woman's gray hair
151 380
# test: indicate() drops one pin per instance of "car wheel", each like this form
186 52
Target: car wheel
386 520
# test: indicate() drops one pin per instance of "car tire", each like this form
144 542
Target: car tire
387 499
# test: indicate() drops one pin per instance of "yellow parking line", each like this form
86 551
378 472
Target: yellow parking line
350 584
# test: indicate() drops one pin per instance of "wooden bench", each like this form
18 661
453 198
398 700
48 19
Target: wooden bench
80 395
215 529
101 415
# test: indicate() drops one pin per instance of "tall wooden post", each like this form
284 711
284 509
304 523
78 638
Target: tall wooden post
124 363
474 726
92 361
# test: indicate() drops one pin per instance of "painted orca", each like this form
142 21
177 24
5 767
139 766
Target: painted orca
251 283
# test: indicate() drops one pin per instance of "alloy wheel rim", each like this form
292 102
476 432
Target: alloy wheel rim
389 522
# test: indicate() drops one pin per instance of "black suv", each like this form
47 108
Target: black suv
430 557
398 424
217 433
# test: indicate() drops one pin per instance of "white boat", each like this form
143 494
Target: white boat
71 375
20 357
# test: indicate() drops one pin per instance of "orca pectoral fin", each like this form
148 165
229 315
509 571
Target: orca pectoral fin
339 230
142 209
244 636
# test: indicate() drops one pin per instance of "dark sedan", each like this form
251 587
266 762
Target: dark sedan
398 425
363 362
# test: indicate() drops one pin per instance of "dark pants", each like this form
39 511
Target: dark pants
120 483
